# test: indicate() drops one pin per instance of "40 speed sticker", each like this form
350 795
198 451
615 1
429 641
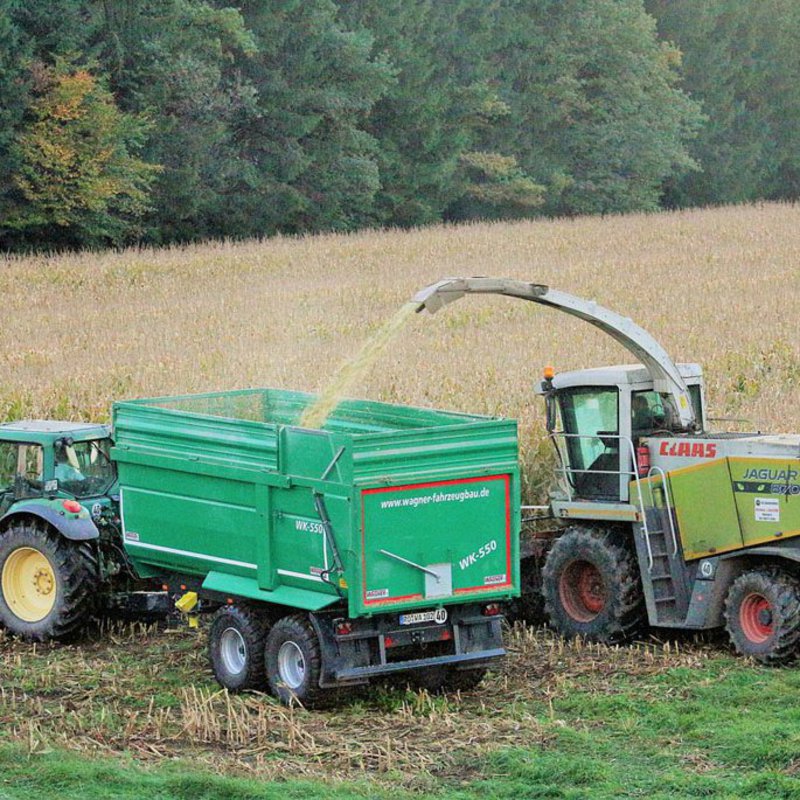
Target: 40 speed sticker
439 617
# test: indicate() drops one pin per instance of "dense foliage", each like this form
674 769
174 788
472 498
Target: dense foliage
172 120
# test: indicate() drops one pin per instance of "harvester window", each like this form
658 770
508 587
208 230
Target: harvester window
591 424
697 402
647 412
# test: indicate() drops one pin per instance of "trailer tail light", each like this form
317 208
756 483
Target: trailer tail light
73 506
491 610
388 641
643 460
344 628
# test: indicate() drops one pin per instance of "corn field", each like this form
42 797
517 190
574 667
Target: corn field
720 287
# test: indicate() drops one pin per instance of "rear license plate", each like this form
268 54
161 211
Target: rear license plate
439 616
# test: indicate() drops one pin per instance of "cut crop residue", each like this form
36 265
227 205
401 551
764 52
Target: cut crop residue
353 370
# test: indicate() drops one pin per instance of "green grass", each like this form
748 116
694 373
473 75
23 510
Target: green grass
590 723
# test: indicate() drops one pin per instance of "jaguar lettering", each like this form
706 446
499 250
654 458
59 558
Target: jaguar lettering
785 475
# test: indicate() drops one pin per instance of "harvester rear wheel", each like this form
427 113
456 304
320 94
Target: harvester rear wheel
294 662
762 615
235 647
591 586
47 582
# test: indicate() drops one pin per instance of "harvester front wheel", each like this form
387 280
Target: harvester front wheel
591 586
47 582
235 647
294 661
762 615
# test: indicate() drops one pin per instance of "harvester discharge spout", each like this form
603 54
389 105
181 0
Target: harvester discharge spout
667 380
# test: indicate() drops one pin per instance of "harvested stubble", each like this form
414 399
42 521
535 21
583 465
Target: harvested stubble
720 286
148 692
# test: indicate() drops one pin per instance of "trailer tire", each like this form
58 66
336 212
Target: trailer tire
235 647
762 615
47 582
293 659
592 587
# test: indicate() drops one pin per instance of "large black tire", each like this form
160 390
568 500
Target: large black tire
762 615
293 660
236 647
47 582
529 606
591 586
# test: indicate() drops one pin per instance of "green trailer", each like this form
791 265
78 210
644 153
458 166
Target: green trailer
382 543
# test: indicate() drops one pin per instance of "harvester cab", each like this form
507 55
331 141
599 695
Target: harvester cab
57 508
598 418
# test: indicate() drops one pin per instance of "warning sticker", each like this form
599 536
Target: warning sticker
768 509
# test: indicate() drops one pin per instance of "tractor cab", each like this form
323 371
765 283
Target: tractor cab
59 526
596 418
46 460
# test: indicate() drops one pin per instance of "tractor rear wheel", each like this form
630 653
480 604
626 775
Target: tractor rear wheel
236 646
591 586
47 582
762 615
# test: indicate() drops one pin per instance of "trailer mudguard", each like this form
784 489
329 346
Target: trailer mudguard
76 527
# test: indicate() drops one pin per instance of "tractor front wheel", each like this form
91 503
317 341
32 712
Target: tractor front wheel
591 586
47 582
762 615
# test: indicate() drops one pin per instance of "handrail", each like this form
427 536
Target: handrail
654 470
634 472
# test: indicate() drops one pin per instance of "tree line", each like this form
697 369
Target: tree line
159 121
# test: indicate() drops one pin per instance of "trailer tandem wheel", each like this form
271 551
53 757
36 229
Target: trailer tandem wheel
293 660
235 646
762 615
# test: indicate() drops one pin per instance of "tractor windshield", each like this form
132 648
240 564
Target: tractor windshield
84 469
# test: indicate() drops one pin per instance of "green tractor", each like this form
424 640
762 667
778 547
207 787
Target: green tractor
59 526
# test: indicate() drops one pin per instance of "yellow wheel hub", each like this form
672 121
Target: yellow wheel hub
29 584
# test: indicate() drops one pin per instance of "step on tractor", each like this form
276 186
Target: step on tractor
657 519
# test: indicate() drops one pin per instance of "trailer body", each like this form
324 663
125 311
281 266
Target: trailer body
403 521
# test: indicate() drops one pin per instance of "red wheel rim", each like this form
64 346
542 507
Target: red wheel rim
582 591
755 618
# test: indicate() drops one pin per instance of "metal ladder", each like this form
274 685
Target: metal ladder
662 552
